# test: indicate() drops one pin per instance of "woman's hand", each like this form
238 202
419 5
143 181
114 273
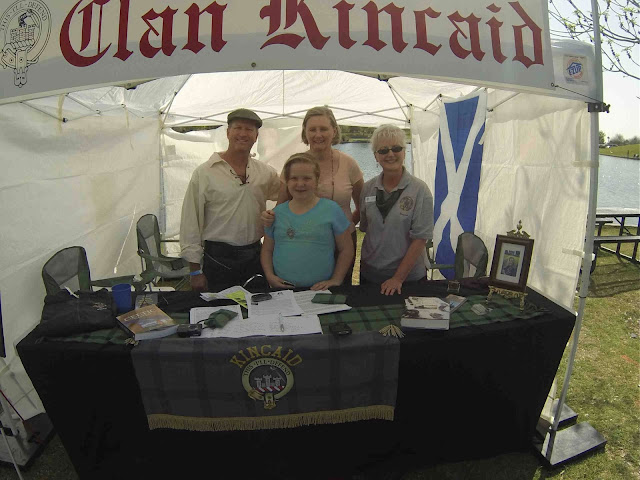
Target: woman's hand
267 217
391 286
277 282
325 284
356 216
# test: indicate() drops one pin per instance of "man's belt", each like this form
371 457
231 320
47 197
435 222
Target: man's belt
232 247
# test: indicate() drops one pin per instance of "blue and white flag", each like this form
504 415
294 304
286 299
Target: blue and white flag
457 178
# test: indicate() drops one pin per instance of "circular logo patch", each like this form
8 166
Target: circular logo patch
267 379
406 204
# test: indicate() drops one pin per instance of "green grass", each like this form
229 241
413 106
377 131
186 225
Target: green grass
627 151
604 391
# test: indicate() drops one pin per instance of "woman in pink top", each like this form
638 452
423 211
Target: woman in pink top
340 176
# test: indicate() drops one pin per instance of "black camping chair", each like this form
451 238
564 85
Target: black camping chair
471 259
69 268
155 265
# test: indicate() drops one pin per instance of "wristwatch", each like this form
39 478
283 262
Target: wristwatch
196 272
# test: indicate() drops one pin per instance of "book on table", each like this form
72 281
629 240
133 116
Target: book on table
147 322
426 312
455 302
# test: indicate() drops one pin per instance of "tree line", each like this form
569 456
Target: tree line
618 139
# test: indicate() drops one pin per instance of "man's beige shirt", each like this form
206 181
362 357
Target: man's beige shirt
219 208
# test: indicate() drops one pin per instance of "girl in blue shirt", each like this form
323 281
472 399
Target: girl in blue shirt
299 247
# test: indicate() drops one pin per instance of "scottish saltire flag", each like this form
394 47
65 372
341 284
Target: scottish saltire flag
458 168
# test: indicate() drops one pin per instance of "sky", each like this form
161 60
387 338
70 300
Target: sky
619 91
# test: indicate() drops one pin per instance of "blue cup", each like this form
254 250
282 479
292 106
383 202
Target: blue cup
122 295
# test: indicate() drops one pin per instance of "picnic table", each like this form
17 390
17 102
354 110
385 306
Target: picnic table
626 234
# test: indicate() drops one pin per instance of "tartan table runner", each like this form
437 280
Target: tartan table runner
374 318
266 382
364 319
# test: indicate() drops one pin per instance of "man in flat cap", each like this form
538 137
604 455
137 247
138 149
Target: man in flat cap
220 226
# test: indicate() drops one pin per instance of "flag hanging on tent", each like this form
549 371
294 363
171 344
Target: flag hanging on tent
457 178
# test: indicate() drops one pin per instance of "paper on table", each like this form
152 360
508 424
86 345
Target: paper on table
281 302
303 299
202 313
235 293
269 325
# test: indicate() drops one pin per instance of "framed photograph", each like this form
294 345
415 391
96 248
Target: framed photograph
511 260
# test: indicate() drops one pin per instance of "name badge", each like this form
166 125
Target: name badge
370 199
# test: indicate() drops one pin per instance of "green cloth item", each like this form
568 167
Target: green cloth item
329 298
377 317
219 319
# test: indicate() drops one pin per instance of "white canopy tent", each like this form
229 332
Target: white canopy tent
81 166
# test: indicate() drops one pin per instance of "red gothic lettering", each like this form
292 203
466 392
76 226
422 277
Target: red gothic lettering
167 47
457 49
494 25
344 39
193 12
70 55
294 9
536 33
123 52
373 28
421 30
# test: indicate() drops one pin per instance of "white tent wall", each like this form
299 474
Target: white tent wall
83 182
536 151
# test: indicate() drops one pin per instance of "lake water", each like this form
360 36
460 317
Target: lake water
618 178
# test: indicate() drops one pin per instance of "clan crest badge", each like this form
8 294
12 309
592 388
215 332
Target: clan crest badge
267 380
25 28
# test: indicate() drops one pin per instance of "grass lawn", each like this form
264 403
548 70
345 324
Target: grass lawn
627 151
604 391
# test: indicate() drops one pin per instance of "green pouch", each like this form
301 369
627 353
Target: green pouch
219 319
329 298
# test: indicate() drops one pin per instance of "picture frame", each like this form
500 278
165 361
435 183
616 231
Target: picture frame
511 261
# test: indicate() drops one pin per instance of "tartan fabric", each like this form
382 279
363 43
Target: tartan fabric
329 298
374 318
198 384
363 319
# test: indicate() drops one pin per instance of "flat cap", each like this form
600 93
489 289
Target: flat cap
244 114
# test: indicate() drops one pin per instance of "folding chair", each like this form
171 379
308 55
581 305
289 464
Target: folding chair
155 265
69 268
471 258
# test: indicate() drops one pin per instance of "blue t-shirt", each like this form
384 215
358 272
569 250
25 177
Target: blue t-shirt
304 245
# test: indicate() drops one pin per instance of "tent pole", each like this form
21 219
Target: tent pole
581 438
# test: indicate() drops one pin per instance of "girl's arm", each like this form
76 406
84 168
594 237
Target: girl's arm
345 257
266 259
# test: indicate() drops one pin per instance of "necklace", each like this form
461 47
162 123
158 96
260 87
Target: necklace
302 228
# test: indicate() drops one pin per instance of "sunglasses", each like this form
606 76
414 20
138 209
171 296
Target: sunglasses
395 149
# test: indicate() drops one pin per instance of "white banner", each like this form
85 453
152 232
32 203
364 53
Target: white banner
61 45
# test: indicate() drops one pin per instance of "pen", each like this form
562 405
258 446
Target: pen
280 320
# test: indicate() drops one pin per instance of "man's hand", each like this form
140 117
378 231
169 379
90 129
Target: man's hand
198 283
391 286
267 217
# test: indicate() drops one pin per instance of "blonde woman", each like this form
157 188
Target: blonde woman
397 216
299 247
340 177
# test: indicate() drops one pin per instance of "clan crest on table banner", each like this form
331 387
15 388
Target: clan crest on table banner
266 382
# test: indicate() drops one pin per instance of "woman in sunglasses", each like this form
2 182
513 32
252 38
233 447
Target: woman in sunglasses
340 176
396 212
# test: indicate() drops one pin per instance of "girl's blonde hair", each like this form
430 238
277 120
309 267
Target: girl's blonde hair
304 157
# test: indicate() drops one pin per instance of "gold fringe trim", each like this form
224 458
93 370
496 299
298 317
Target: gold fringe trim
391 329
209 424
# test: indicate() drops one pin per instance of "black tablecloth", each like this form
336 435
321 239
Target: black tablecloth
465 393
